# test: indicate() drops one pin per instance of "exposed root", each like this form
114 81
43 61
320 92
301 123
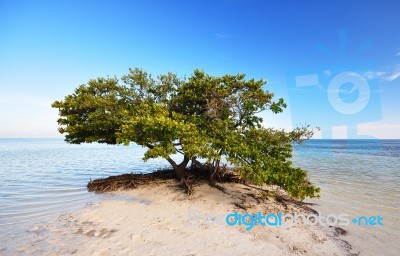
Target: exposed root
215 185
133 180
240 205
338 231
285 200
128 181
192 176
188 184
255 197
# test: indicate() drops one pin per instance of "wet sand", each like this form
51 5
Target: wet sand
162 220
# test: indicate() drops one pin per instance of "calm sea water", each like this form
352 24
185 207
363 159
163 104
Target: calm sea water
40 178
358 178
45 177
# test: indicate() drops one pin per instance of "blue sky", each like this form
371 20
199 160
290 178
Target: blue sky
47 48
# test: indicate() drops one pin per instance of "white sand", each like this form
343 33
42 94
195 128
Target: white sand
157 222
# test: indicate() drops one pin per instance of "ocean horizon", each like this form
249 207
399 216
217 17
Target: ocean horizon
45 177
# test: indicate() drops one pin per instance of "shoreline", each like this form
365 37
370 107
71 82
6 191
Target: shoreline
157 219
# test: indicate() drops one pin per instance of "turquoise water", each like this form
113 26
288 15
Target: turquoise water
358 178
41 177
45 177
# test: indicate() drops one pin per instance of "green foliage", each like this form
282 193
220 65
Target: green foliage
203 116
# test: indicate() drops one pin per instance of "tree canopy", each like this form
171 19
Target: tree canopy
207 119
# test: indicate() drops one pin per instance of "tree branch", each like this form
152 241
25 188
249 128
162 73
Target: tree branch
184 162
179 151
172 162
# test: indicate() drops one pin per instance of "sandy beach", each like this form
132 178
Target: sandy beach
199 128
161 219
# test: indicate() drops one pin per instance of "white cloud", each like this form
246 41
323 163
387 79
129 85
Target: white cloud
371 75
394 75
382 75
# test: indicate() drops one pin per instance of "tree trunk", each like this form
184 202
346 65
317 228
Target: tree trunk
179 168
199 165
